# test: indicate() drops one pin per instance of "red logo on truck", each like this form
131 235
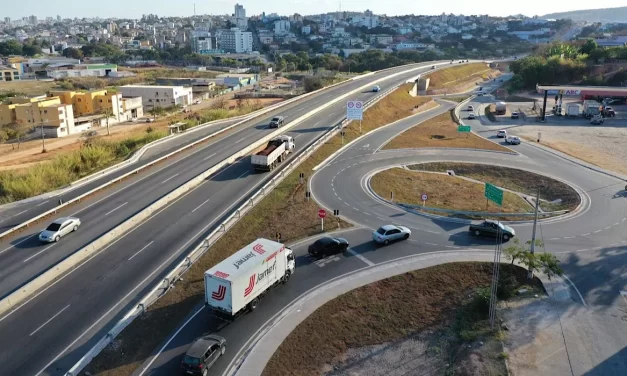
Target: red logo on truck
251 285
259 249
220 274
220 294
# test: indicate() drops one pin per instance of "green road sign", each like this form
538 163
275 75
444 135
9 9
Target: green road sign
493 194
463 128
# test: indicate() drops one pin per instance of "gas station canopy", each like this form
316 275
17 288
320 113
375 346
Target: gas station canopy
574 90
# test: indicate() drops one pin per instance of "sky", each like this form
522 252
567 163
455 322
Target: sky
135 8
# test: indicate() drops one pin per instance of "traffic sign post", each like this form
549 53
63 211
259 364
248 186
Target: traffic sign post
463 128
424 199
355 111
322 213
494 194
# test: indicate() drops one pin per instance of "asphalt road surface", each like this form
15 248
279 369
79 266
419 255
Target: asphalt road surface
53 330
590 242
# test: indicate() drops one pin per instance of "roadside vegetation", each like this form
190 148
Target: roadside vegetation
459 75
444 309
490 112
284 210
441 132
514 179
444 192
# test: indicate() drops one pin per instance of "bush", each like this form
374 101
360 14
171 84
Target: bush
480 303
312 84
507 285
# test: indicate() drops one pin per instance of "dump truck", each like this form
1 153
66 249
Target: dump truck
501 108
274 153
236 284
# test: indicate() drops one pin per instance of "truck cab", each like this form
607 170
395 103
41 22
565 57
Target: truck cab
597 119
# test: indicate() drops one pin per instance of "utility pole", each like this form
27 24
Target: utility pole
533 233
496 266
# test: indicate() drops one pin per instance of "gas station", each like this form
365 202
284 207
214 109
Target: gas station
584 92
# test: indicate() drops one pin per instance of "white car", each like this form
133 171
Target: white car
388 233
376 88
501 133
471 116
513 140
59 228
470 108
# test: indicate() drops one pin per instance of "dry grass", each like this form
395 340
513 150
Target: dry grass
457 75
390 310
514 179
441 132
445 192
28 87
284 210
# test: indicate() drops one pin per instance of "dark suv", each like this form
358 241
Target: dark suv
202 355
276 122
326 246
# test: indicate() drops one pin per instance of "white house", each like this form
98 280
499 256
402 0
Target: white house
159 96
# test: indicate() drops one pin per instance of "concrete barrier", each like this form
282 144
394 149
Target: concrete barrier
168 282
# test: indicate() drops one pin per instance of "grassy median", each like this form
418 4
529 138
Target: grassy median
444 192
459 75
284 210
517 180
445 302
441 132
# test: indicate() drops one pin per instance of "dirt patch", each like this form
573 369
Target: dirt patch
28 87
445 192
440 132
434 313
284 210
514 179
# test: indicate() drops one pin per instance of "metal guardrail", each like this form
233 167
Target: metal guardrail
169 280
478 214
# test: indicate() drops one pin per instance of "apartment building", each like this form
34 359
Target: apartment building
159 96
54 118
236 41
63 70
9 73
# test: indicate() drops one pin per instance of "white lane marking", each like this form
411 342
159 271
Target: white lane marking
240 140
576 290
18 243
430 243
553 239
568 237
22 212
586 234
597 231
616 224
47 322
607 228
242 175
452 246
198 207
362 258
116 209
42 203
138 252
623 220
38 253
366 213
171 177
209 156
170 340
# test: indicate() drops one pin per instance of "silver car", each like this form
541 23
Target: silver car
388 233
59 229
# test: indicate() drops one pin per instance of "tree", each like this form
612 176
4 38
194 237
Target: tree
544 262
312 84
587 47
516 251
11 47
73 53
290 67
31 49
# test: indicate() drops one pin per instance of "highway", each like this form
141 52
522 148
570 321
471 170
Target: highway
55 328
591 243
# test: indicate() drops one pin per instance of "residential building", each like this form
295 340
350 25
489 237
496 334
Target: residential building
266 39
239 79
466 36
282 27
54 118
159 96
94 106
236 41
414 46
305 30
79 70
202 41
9 73
381 39
618 41
295 18
239 17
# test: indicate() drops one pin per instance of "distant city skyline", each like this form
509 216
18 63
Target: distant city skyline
185 8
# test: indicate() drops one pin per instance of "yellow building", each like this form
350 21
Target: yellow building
9 73
91 102
55 118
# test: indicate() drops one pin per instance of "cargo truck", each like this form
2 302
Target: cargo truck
235 285
501 108
573 110
591 108
274 153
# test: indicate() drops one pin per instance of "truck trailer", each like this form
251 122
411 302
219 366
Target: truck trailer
236 284
274 153
501 108
573 110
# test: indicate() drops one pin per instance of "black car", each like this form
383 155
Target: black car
202 355
326 246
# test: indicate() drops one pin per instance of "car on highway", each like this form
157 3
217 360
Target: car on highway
492 228
376 89
512 140
276 122
471 116
202 355
433 67
326 246
480 95
470 108
58 229
389 233
515 115
501 133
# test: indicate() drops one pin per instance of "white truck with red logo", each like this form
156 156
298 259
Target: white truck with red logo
237 283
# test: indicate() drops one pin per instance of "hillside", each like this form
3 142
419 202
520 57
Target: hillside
593 15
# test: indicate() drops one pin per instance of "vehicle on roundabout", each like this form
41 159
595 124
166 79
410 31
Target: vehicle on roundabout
492 228
58 229
513 140
202 355
326 246
501 133
470 108
389 233
471 116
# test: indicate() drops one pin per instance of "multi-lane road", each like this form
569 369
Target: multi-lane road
591 243
56 326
